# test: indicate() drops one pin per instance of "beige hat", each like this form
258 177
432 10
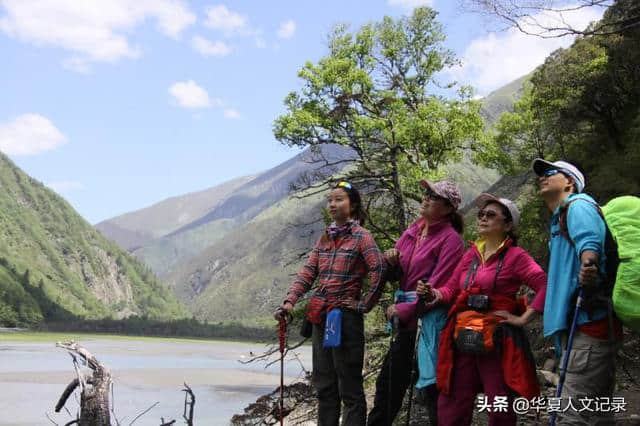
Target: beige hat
485 198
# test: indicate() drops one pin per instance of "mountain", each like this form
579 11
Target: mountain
236 261
502 99
245 273
54 263
246 202
135 229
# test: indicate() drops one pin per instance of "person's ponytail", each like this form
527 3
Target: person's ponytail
457 221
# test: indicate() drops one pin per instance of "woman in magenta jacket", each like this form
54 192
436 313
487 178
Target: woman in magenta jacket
491 271
428 250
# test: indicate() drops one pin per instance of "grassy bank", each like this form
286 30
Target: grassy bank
137 327
35 336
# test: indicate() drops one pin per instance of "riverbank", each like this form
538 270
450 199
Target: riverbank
146 370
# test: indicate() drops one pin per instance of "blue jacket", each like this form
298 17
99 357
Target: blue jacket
587 229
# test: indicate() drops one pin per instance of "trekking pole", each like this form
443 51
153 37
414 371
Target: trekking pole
565 359
413 371
282 338
414 359
394 334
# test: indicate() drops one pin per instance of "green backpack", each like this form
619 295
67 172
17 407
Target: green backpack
622 216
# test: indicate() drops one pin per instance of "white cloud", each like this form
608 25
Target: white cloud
410 4
29 134
287 29
231 114
65 186
499 58
96 31
223 19
189 95
210 48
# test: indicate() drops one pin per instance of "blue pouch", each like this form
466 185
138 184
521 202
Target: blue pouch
333 329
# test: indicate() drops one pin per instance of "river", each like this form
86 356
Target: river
33 374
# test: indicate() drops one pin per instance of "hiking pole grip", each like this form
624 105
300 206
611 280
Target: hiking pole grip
567 352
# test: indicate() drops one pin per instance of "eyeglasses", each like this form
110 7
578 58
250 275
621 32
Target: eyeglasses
344 184
550 172
489 214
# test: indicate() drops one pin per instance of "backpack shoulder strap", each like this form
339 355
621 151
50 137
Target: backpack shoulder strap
564 218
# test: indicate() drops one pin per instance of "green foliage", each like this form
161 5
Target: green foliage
183 327
55 264
373 93
583 105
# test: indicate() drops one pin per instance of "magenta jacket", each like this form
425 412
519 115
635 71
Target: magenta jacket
518 268
432 260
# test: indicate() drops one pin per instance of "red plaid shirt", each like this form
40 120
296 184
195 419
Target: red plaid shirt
340 266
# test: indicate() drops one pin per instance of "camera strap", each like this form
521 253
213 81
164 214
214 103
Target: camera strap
473 270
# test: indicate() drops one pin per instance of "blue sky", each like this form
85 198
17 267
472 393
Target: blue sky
118 104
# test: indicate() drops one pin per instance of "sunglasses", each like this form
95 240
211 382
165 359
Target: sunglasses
489 214
550 172
344 184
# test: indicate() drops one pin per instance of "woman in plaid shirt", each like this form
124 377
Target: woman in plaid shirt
343 257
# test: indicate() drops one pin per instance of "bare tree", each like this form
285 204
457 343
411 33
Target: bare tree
551 18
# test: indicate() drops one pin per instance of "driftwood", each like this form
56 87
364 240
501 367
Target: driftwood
189 404
94 393
94 390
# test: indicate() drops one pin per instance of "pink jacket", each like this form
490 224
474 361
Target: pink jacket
518 267
432 260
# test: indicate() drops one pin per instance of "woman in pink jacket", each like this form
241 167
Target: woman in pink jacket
428 250
483 348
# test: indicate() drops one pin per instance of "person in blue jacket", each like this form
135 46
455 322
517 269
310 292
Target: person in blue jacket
577 258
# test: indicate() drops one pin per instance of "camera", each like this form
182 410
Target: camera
478 302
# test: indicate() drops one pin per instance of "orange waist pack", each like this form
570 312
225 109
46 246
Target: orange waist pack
474 331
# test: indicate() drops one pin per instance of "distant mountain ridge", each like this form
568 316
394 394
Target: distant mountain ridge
52 262
247 200
134 229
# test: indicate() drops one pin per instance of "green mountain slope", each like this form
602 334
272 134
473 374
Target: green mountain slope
247 201
502 99
248 270
50 255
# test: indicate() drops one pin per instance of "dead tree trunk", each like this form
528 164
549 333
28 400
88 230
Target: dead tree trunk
94 390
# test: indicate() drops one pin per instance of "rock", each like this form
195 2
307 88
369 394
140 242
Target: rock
550 377
550 364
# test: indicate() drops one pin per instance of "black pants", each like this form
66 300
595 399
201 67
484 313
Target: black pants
393 380
337 374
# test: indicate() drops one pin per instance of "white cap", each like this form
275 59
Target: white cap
485 198
540 166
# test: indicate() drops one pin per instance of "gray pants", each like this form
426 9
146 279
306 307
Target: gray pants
337 374
590 373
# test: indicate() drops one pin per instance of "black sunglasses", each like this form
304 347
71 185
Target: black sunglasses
550 172
489 214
